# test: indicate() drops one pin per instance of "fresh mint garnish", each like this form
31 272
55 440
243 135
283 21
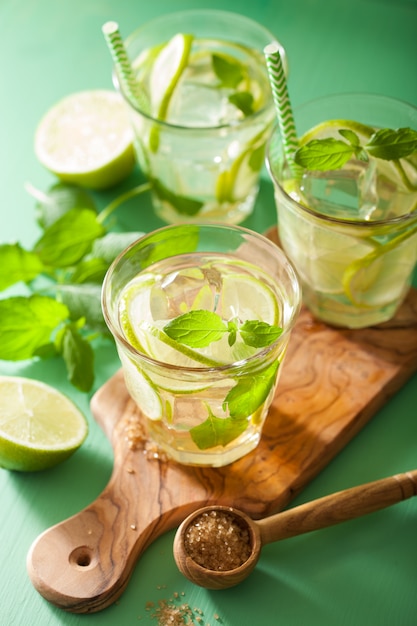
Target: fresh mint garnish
60 277
331 154
217 431
199 328
243 400
242 100
228 71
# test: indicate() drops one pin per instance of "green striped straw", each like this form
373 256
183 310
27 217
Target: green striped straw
283 107
124 69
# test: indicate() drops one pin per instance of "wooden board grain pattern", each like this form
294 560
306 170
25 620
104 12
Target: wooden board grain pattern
333 381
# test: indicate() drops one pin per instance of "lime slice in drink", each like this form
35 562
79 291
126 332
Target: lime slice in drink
330 128
39 426
142 389
247 298
378 278
86 139
166 72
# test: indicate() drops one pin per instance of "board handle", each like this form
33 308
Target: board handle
83 564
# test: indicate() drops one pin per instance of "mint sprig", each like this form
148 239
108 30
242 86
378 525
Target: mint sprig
59 312
199 328
331 154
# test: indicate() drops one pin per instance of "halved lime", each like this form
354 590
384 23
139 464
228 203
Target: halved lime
39 426
247 298
86 139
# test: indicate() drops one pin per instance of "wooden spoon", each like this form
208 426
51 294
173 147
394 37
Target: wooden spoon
320 513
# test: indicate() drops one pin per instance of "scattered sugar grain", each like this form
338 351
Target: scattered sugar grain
218 541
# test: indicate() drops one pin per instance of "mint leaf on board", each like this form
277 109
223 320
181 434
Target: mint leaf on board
68 239
196 329
259 334
216 431
390 144
250 392
27 323
17 264
228 71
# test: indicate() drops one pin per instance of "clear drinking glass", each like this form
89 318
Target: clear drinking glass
201 143
201 404
351 233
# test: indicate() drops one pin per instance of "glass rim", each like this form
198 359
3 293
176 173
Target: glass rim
228 367
269 105
400 219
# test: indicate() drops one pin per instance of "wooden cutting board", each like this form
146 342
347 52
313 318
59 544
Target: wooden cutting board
333 382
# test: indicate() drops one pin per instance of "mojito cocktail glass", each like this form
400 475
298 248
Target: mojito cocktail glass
202 316
200 134
351 233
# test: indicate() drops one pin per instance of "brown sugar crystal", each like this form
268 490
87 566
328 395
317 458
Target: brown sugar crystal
218 541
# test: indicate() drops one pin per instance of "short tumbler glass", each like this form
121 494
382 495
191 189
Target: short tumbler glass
354 251
204 155
201 404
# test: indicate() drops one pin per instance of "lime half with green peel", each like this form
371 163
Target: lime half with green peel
39 426
86 139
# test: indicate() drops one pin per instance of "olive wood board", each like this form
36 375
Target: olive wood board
333 381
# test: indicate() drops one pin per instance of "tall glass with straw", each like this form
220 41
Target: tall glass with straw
350 232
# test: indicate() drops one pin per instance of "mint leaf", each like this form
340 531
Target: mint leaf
390 144
78 356
215 431
68 239
196 329
228 71
323 154
84 301
182 204
90 271
242 100
111 245
350 136
26 324
59 199
17 264
259 334
250 392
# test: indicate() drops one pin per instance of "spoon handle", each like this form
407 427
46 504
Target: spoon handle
339 507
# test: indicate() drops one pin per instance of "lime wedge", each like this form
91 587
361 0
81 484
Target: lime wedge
166 72
39 426
86 139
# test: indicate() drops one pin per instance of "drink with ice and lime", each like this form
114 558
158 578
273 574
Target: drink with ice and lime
202 331
351 231
200 136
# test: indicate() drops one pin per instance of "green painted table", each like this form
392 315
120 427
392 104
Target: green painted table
362 573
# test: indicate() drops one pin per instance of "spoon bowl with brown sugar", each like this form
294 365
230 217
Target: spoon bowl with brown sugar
217 547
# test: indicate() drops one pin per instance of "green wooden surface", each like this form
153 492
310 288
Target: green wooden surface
362 573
